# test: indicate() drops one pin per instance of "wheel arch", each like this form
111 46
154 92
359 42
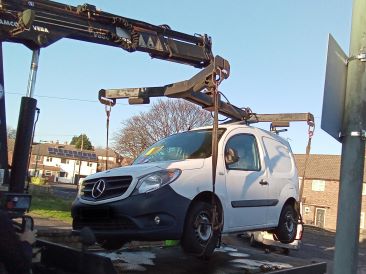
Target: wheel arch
291 201
206 196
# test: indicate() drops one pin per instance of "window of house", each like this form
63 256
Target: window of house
49 159
318 185
48 173
63 174
90 164
242 147
362 220
77 162
65 161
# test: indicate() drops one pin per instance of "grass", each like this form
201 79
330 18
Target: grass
46 205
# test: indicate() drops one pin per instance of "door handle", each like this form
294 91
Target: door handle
263 182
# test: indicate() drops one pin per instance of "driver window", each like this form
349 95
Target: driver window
243 148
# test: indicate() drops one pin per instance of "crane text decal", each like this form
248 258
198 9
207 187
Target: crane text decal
40 29
9 23
16 25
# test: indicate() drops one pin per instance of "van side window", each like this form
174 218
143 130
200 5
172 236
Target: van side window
241 153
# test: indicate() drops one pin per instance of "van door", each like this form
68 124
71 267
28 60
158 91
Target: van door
245 182
282 173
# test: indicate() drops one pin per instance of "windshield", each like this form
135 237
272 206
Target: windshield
193 144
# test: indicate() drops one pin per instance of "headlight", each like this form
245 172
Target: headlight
155 180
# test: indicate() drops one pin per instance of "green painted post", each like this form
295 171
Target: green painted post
353 149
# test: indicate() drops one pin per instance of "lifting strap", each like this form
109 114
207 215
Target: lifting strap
216 99
215 224
108 109
311 129
307 155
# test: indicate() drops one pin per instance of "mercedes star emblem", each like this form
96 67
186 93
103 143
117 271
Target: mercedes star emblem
98 189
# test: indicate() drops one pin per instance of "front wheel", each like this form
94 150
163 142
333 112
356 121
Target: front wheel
287 225
199 237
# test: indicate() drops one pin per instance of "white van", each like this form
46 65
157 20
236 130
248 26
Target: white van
167 192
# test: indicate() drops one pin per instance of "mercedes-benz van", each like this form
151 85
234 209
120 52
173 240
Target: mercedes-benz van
167 192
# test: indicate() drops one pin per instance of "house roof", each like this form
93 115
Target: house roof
43 150
320 166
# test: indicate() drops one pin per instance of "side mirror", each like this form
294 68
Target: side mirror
231 156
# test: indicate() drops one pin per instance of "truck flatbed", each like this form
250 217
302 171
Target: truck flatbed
232 257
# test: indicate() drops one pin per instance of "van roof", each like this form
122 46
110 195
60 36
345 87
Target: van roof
251 128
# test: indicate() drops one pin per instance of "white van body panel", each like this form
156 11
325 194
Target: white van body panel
251 199
237 185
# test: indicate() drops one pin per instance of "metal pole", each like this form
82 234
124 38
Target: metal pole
80 158
3 130
33 73
353 149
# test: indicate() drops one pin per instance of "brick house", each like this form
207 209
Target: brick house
321 191
61 162
110 157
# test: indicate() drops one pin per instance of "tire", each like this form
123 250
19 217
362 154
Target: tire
198 237
287 225
111 244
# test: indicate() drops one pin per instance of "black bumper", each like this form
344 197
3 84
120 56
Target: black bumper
134 217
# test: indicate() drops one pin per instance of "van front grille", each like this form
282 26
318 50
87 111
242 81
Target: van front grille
105 188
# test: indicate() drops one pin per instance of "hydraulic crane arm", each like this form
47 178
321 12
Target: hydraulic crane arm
39 23
197 90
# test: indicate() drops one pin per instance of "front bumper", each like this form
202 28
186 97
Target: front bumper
133 218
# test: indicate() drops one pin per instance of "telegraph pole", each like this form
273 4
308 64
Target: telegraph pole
353 148
80 158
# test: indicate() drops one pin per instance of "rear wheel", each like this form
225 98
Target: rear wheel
287 225
111 244
199 237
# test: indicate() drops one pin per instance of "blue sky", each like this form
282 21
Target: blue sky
277 52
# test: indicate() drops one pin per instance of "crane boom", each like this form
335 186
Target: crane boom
197 90
39 23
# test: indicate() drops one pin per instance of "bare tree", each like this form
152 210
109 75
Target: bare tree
11 132
165 117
